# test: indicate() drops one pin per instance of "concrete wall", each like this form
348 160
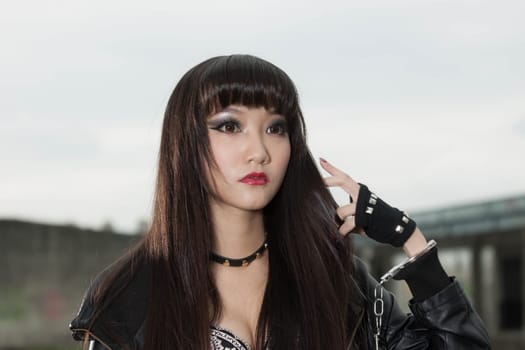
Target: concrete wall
44 270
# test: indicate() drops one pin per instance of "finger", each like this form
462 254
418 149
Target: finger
359 231
348 225
338 181
330 168
345 210
350 187
339 178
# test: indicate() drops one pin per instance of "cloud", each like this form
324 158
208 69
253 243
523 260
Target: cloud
421 99
519 126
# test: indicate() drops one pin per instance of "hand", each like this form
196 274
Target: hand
346 212
369 213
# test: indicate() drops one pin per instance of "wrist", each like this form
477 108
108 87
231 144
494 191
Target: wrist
424 275
415 244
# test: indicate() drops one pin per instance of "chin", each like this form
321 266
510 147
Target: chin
255 204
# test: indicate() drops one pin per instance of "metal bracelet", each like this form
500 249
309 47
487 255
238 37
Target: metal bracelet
396 269
378 290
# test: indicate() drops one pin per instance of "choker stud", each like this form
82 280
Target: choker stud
242 261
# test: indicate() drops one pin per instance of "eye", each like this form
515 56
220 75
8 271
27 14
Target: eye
228 127
278 129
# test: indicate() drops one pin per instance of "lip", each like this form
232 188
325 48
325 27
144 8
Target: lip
256 179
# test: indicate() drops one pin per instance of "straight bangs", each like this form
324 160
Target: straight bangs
248 81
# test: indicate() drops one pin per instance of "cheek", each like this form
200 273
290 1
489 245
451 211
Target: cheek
282 157
224 160
286 152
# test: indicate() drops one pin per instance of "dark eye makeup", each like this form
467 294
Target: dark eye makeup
279 128
227 125
231 125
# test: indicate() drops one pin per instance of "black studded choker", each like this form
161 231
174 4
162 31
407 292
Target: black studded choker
242 261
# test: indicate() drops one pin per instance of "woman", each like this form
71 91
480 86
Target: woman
247 247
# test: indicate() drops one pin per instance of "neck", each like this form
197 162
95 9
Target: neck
237 233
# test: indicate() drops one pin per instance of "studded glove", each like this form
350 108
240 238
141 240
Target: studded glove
380 221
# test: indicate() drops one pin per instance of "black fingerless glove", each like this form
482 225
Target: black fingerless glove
380 221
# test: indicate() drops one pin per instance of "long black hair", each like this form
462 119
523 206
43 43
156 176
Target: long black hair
309 301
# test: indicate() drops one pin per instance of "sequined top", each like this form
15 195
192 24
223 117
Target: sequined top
224 339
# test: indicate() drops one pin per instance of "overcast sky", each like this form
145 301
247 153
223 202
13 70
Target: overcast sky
424 101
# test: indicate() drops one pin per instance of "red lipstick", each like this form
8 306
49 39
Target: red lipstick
255 179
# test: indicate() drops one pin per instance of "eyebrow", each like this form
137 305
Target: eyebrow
225 110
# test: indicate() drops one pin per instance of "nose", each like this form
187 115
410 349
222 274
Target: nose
257 150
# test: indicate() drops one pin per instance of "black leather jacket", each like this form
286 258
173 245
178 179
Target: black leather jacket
444 320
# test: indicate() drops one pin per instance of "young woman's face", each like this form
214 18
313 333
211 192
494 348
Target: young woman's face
251 148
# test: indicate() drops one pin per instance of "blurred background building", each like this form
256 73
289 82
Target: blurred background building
44 270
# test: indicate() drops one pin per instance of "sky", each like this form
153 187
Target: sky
423 101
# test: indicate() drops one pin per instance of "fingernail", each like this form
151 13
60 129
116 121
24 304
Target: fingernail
323 160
